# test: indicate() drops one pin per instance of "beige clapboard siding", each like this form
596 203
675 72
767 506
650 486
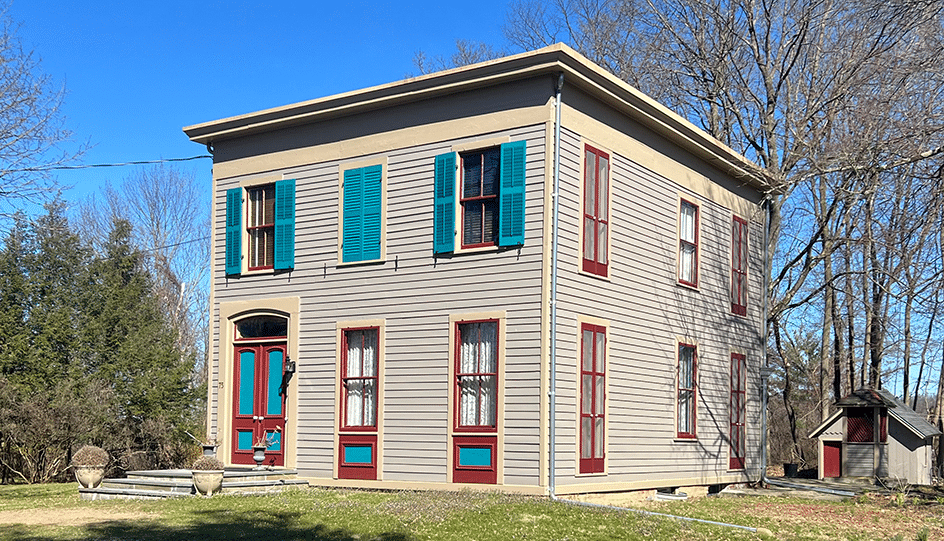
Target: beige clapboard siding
646 310
414 294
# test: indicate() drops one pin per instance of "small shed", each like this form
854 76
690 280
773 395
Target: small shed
874 434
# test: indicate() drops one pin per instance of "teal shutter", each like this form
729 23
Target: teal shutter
285 224
351 239
234 237
511 195
371 225
444 209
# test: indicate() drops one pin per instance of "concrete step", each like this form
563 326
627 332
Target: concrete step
177 483
105 493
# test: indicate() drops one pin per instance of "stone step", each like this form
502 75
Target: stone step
178 483
105 493
230 474
184 486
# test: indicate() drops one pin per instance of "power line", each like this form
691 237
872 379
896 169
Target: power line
97 165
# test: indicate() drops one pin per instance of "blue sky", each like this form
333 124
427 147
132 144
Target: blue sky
135 73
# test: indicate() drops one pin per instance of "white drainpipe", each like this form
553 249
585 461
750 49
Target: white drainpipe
552 362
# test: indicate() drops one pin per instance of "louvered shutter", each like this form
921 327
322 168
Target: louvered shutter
352 248
285 224
511 195
234 206
373 199
444 205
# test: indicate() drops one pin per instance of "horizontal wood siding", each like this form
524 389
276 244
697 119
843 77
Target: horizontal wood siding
647 310
414 293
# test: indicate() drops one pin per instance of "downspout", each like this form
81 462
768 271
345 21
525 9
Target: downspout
555 229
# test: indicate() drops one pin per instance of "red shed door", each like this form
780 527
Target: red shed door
832 459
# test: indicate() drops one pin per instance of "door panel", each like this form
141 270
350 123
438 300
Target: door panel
832 459
259 404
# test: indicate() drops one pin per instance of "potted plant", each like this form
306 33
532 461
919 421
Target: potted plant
259 448
207 472
89 465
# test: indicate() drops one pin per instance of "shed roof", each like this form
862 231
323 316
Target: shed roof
881 398
552 60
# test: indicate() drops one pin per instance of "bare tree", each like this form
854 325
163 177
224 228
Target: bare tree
467 52
31 123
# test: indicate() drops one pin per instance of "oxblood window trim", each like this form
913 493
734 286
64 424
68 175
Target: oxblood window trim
738 411
590 461
480 200
684 243
691 391
260 228
345 427
739 254
459 375
599 216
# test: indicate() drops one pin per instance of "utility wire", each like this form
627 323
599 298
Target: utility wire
96 165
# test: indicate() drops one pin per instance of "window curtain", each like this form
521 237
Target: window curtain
361 407
478 354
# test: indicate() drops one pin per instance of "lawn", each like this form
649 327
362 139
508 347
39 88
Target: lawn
55 512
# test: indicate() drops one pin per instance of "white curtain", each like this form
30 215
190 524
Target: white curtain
478 354
361 407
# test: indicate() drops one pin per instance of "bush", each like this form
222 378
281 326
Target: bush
205 463
90 455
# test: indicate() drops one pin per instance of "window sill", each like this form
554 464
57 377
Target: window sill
582 272
603 473
365 262
691 287
683 439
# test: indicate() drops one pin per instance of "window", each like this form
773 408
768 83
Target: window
860 425
687 383
358 409
269 236
475 400
362 214
359 378
737 410
592 397
739 267
491 198
688 244
596 211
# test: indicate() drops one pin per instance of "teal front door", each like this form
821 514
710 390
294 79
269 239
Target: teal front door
259 404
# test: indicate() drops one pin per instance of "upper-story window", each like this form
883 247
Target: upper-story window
268 239
739 266
688 243
480 198
596 222
362 214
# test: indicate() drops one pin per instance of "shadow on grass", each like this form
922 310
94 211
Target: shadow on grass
206 526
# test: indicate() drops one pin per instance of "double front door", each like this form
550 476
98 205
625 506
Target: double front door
259 404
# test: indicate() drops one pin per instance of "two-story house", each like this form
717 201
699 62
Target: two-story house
522 274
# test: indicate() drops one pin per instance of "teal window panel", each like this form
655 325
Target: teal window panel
475 456
358 454
444 219
276 438
244 440
234 239
284 224
512 194
247 380
274 402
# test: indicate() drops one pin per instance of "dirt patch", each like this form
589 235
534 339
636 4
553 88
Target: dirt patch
66 517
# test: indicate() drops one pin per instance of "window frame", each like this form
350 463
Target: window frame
457 375
345 435
344 379
592 464
737 412
480 199
739 265
683 243
593 266
692 390
237 258
264 227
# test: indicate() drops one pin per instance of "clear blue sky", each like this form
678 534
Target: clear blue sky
135 73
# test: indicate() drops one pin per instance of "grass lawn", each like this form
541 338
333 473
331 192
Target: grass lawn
55 512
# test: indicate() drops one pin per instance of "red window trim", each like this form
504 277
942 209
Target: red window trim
357 470
376 377
739 239
475 474
694 390
738 411
683 243
266 226
456 399
483 198
592 265
592 464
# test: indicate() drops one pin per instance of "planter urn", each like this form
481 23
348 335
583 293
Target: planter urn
89 476
207 482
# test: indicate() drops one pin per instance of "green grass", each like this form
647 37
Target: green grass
318 514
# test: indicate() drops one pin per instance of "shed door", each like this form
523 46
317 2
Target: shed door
832 459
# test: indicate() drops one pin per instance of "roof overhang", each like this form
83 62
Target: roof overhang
552 60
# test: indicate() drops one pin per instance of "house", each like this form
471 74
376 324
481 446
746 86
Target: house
874 434
522 274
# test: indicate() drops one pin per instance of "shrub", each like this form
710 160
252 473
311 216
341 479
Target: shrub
205 463
90 455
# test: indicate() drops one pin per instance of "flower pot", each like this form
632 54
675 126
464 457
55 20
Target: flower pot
258 454
89 476
207 482
790 469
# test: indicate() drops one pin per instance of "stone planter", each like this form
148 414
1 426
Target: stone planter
207 482
89 476
258 454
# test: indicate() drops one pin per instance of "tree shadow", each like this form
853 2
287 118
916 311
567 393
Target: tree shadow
208 526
